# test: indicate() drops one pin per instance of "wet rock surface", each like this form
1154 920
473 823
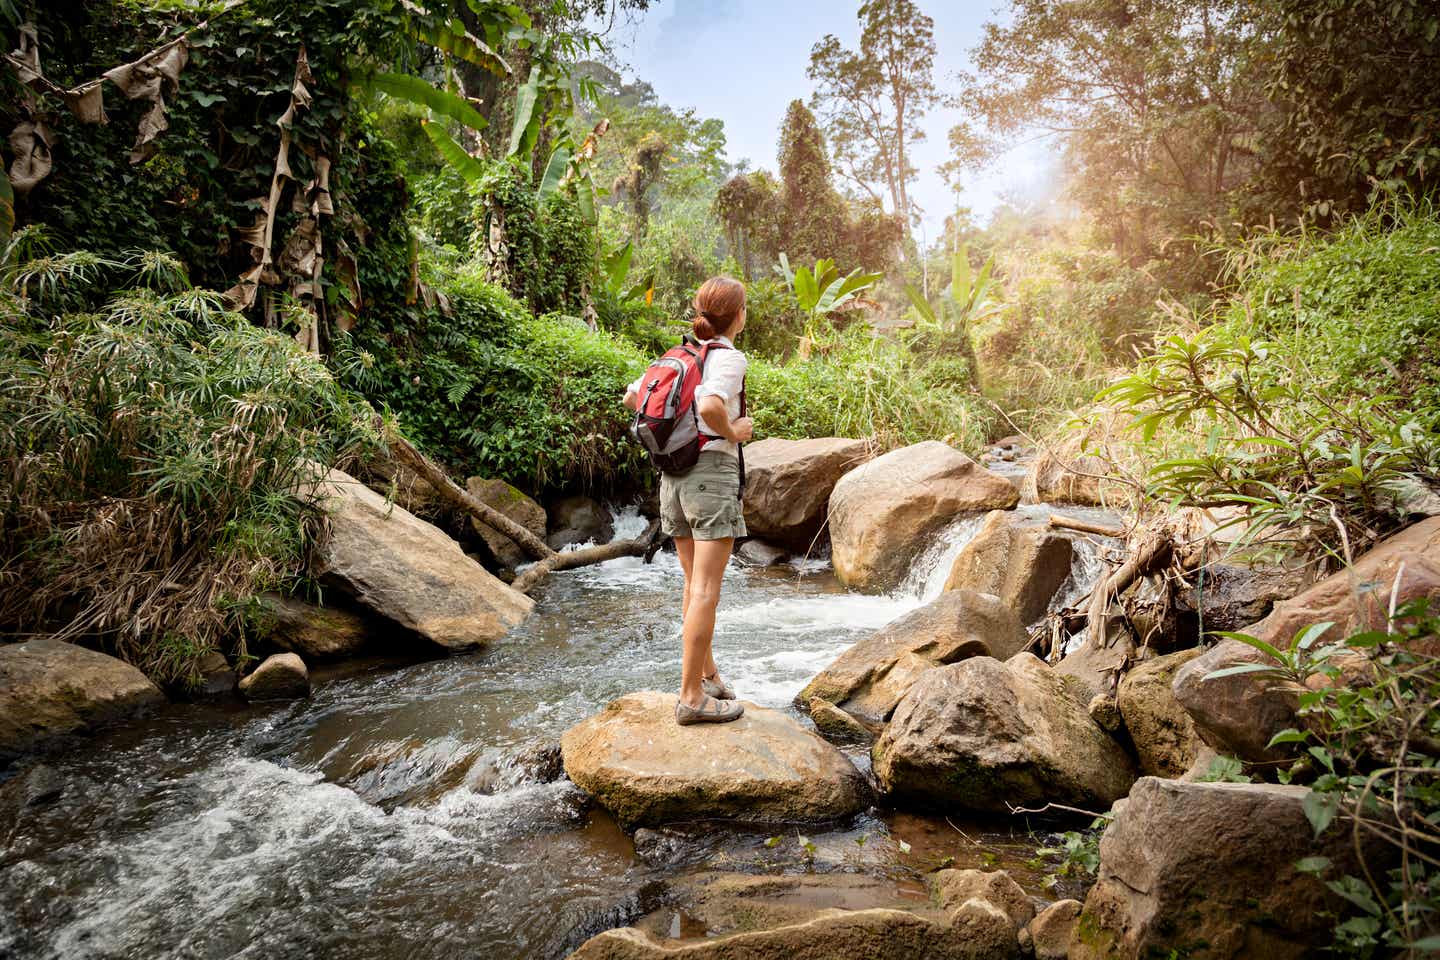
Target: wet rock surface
50 689
985 735
882 511
578 520
788 485
408 571
765 767
1208 869
339 629
872 676
1048 936
280 676
758 553
1020 559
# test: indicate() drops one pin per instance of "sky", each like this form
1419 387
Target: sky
743 61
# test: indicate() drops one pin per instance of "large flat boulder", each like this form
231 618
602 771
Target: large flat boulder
512 504
1163 734
983 735
408 571
49 689
873 674
578 519
882 512
788 485
1239 714
765 767
1020 559
1208 870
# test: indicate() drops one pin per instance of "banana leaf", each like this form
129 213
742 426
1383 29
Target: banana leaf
467 166
415 90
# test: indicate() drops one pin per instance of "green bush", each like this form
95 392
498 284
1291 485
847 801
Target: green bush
152 451
868 386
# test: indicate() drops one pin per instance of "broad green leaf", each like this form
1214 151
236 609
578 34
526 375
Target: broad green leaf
585 198
524 131
554 172
1240 669
960 277
459 44
467 166
1306 638
1255 642
1290 735
1320 809
405 87
918 301
806 290
1312 864
617 265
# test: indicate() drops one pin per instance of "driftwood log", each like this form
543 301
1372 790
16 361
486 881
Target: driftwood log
1085 526
546 559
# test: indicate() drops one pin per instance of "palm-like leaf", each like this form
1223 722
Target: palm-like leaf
460 44
526 128
467 166
405 87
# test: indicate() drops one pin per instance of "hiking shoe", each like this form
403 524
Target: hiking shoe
717 688
711 711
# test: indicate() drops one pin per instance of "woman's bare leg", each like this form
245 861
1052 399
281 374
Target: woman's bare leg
702 597
685 547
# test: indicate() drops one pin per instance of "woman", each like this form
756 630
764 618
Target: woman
701 508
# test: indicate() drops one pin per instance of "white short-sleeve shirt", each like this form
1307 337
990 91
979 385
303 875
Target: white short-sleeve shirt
724 377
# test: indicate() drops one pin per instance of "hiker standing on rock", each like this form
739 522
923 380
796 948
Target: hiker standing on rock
690 414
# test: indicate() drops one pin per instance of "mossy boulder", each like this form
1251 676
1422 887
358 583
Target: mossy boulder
1163 733
513 504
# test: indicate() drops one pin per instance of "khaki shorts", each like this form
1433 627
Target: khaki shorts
703 504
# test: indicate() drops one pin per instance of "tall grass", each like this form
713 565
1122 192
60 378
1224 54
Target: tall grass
150 449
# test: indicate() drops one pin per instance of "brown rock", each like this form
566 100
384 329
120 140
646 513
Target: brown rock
338 630
1208 870
214 676
49 689
882 511
1105 711
1021 560
645 769
951 888
1238 715
1071 478
405 569
1232 597
1051 930
982 735
871 677
514 505
1163 733
758 553
977 932
836 725
578 519
788 485
280 676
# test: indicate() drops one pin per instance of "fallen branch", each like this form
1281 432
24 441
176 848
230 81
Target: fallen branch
585 556
547 561
1151 554
1085 526
1056 806
404 451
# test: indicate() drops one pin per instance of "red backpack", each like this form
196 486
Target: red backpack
666 422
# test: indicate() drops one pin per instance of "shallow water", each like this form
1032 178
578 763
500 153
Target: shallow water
400 811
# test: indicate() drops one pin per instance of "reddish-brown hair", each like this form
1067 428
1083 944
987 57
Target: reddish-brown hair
718 304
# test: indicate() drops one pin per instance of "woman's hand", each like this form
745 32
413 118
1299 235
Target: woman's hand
742 430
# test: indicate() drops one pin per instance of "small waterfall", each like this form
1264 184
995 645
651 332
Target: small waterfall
931 568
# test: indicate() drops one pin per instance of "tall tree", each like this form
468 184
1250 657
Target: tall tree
813 220
872 99
1157 101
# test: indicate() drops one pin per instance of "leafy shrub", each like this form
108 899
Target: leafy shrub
1369 750
152 450
1311 403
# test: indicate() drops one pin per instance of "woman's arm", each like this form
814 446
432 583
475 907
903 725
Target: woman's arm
632 398
712 410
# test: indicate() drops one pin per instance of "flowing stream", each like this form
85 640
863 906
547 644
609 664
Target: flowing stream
404 810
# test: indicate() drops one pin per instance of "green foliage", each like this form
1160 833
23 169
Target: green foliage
821 292
812 216
1078 854
154 449
1369 749
966 305
492 390
1310 403
866 386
